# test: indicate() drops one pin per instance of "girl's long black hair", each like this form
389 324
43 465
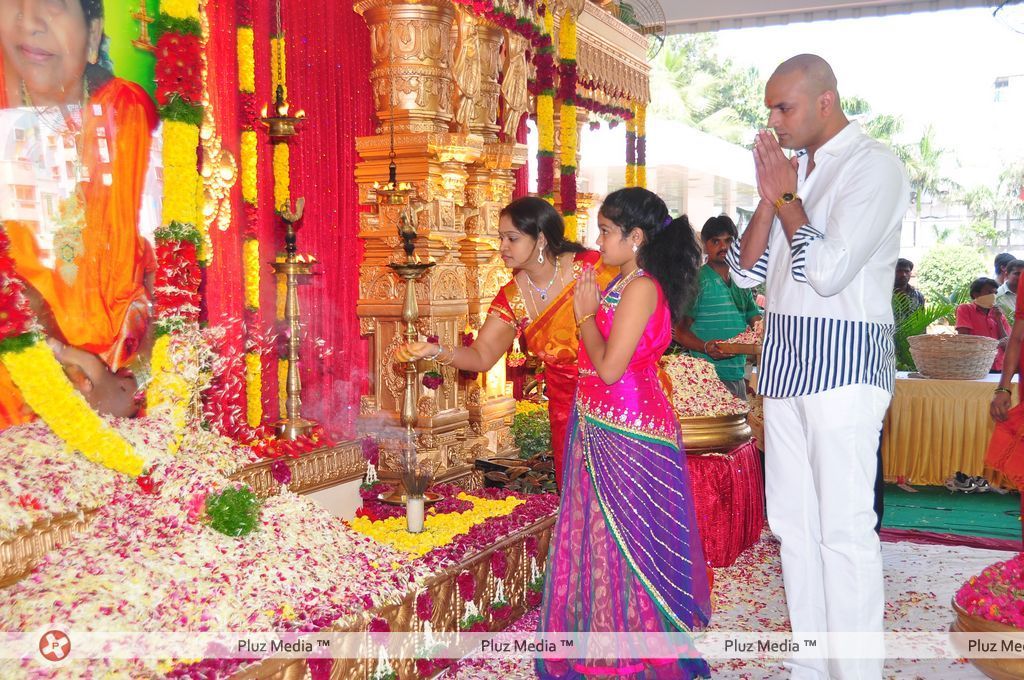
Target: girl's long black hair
534 216
670 252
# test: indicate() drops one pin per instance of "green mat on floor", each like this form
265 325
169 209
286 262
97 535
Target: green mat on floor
935 509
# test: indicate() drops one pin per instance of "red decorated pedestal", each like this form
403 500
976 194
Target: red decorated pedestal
728 492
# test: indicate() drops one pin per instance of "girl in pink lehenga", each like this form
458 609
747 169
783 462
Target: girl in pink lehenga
625 552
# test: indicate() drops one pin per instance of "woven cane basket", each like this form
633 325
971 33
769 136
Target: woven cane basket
953 357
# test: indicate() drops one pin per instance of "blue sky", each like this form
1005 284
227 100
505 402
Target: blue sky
928 67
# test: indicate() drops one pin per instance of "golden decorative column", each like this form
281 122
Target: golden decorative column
411 51
489 188
414 80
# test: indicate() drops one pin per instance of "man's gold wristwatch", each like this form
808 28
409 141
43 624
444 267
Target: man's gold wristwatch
785 199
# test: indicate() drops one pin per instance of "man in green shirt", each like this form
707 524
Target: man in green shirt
721 309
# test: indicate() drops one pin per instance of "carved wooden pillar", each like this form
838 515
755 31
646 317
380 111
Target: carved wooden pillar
413 83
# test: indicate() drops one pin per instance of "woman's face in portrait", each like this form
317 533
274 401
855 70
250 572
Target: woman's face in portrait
517 249
46 47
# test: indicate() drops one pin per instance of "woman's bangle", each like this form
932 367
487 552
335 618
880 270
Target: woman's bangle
586 317
447 360
1007 390
440 348
706 346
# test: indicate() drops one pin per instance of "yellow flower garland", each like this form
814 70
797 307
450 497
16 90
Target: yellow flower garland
251 262
570 138
640 115
246 59
249 156
169 394
438 530
181 177
571 227
546 122
180 9
45 388
254 389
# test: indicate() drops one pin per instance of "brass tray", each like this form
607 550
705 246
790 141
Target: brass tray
396 498
739 348
715 433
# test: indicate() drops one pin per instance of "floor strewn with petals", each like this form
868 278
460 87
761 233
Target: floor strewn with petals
919 582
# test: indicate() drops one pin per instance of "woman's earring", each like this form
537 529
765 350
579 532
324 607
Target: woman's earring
635 248
540 257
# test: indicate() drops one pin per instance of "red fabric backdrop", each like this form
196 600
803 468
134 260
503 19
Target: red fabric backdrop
328 65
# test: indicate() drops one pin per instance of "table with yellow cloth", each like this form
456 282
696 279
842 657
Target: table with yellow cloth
935 428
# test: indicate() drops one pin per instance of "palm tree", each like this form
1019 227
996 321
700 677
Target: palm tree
923 162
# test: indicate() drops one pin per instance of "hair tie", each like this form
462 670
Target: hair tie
661 227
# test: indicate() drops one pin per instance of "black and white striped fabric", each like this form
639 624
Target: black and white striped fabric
805 355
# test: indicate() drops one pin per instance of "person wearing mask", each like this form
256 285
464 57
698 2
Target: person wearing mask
981 317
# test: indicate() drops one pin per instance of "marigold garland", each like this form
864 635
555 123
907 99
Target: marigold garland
181 242
249 163
39 377
282 198
438 529
46 389
546 107
640 113
169 394
254 389
249 158
246 59
567 49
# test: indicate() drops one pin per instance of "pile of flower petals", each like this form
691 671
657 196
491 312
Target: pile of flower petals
40 478
148 563
997 593
696 389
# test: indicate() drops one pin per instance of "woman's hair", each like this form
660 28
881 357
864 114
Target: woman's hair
670 252
534 216
93 9
97 75
978 285
716 226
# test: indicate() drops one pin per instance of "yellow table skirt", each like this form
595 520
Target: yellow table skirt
936 427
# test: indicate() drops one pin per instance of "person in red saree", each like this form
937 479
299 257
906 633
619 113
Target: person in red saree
537 303
95 292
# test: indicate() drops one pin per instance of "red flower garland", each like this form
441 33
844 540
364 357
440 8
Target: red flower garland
178 68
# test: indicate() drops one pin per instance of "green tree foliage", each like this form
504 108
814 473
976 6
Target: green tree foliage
948 268
692 85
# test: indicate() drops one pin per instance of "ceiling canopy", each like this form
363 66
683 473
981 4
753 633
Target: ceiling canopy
686 16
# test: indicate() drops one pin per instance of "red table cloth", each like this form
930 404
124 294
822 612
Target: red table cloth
728 492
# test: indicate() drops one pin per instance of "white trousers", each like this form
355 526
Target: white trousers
820 462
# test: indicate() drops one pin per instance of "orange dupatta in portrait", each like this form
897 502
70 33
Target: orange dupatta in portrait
552 338
104 307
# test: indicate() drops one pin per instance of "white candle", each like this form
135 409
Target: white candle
414 514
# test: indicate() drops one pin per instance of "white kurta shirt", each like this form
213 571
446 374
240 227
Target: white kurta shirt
828 321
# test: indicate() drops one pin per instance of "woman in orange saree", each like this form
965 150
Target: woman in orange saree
95 289
537 303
